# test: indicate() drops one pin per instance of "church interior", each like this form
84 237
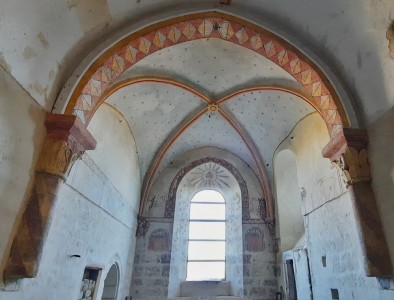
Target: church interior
201 149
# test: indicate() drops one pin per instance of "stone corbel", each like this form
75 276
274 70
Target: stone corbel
142 226
66 141
271 227
348 149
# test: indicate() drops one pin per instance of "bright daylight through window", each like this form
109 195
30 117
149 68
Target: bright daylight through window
207 237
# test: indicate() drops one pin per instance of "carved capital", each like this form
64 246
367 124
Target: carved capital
66 141
354 165
348 149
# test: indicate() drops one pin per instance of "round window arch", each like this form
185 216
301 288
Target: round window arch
111 283
231 191
207 236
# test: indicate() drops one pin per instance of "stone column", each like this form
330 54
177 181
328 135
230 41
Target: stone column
348 149
65 142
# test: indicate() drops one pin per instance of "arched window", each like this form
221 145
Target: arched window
111 283
194 215
207 237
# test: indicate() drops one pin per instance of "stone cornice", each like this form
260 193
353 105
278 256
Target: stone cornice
65 127
344 139
66 140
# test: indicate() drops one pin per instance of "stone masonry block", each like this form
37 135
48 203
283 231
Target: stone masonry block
258 291
165 271
152 271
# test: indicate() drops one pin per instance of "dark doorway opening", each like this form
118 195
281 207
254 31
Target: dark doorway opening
291 284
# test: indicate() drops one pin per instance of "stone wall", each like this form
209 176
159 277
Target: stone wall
152 264
94 219
259 264
88 284
331 238
252 264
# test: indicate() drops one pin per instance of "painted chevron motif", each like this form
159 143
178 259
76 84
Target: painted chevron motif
123 55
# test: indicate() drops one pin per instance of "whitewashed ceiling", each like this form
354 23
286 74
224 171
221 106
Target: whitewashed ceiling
157 111
44 40
213 66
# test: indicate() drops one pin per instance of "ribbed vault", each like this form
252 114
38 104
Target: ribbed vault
207 80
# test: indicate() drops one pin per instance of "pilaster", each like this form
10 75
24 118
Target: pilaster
348 149
65 142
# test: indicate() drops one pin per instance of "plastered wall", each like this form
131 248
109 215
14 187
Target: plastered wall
21 135
290 224
330 228
94 218
381 155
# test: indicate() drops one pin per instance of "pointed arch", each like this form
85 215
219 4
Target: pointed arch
104 71
171 200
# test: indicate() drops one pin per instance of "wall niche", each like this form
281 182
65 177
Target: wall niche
89 283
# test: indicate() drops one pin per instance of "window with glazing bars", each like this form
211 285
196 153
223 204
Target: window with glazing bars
207 237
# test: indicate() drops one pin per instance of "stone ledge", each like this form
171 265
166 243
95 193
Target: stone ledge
205 288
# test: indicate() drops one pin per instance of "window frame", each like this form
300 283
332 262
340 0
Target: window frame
207 240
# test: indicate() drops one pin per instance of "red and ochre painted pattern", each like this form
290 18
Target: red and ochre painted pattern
29 240
259 41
